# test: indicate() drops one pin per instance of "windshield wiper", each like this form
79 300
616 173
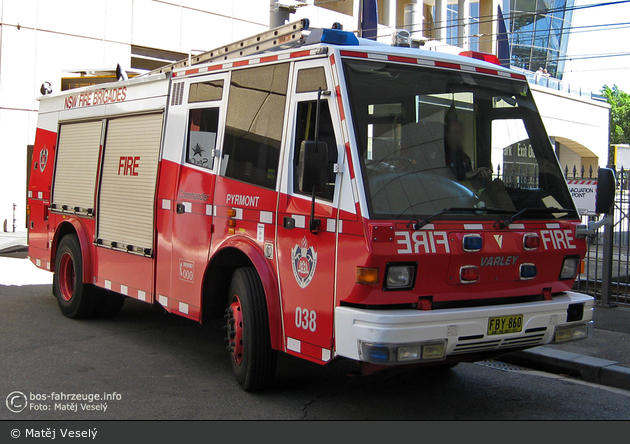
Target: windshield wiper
416 224
507 222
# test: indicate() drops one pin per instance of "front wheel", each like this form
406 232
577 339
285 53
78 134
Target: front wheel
249 343
76 299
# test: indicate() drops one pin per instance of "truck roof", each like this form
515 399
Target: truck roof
363 48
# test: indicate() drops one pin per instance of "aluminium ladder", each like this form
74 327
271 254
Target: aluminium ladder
282 37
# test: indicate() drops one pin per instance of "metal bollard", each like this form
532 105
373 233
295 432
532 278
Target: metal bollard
607 263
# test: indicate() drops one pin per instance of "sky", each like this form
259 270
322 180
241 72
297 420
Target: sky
595 72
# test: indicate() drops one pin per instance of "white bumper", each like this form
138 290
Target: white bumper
465 329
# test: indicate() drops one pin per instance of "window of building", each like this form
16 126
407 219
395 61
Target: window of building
253 130
202 136
143 57
306 131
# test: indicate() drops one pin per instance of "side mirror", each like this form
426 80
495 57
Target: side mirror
311 169
606 184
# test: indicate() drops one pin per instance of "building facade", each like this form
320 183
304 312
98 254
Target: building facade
539 34
50 40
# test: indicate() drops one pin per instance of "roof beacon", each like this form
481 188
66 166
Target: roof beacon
401 37
332 36
490 58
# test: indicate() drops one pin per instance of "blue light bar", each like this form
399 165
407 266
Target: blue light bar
472 242
332 36
378 354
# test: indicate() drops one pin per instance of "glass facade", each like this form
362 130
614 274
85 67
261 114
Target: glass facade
539 33
452 15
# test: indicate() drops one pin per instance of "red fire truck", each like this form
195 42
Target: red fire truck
328 195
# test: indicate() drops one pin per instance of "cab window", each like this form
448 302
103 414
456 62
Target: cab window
306 131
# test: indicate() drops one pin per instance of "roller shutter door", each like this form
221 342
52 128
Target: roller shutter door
127 194
77 162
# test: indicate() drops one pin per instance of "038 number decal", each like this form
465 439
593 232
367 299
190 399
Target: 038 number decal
306 319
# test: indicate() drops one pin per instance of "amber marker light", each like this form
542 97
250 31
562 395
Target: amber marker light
367 276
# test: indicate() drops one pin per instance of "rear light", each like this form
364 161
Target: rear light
531 241
527 271
367 276
569 267
472 242
400 276
490 58
468 274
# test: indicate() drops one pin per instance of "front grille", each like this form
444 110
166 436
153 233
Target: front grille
495 344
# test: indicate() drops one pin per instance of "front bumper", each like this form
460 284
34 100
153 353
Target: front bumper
463 331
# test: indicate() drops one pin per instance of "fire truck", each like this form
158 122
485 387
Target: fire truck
329 196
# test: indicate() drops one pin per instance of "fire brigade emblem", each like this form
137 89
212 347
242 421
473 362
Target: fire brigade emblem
43 159
303 261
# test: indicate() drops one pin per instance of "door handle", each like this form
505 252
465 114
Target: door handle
288 223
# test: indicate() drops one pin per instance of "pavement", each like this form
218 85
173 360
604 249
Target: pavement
603 359
13 244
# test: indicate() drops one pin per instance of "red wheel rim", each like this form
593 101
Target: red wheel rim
66 277
235 330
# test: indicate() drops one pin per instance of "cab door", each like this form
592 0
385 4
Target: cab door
199 123
307 258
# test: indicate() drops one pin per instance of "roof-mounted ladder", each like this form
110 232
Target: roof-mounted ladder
282 37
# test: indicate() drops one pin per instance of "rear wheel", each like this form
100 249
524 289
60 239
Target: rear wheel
249 343
76 299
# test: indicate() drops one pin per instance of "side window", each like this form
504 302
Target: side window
205 91
202 136
306 131
253 129
311 79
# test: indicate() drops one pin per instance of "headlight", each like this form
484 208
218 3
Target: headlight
569 267
400 276
390 354
567 333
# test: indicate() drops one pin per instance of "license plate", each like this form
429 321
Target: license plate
505 324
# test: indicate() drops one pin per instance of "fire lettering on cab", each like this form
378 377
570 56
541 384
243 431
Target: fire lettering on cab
557 239
422 242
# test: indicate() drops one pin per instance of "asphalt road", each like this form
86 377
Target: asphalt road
162 366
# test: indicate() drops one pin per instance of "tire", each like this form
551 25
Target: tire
76 300
253 360
109 303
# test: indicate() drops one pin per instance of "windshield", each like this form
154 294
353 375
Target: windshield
432 139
